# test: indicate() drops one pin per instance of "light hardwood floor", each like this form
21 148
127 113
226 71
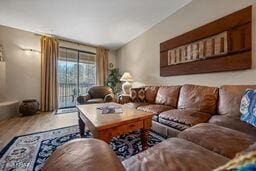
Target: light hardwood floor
40 122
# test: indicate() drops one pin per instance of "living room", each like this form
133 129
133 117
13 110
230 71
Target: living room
128 85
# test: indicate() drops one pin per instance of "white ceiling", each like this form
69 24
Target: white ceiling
108 23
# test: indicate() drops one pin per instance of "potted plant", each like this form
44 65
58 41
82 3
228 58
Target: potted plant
113 80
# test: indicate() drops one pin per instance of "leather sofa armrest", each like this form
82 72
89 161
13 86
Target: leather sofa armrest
109 97
83 99
84 154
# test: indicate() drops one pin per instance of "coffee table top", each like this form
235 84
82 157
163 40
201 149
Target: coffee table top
103 121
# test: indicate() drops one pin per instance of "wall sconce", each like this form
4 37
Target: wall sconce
1 53
31 50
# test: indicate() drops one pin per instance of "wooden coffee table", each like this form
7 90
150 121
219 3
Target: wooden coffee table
107 126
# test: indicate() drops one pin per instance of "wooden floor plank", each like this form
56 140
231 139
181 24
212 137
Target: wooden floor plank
40 122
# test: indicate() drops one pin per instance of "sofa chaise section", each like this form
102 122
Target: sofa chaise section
224 141
175 154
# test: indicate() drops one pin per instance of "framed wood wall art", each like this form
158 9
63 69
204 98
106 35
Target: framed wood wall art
222 45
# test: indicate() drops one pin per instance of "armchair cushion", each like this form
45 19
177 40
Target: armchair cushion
83 99
95 100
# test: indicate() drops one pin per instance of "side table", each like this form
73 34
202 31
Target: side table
124 98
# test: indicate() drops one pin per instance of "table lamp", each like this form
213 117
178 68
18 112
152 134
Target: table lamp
126 87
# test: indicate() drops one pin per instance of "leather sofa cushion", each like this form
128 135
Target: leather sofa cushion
175 125
174 154
233 123
221 140
135 105
185 116
168 95
200 98
150 94
154 108
230 98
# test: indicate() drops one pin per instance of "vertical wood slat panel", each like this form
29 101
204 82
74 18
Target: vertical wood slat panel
239 40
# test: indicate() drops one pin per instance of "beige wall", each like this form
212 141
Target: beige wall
141 56
20 73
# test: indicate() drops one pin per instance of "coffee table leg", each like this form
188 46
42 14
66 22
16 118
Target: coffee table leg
81 125
144 138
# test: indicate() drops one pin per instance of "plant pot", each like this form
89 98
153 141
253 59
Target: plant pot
29 107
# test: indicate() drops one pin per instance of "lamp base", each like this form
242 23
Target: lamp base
126 87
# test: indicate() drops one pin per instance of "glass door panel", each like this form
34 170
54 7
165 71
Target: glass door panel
76 74
87 72
67 78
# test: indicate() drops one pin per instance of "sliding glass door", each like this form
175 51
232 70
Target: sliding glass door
76 74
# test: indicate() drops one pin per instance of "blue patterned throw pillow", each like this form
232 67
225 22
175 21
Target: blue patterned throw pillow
248 107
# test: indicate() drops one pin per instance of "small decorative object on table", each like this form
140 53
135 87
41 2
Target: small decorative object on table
29 107
110 108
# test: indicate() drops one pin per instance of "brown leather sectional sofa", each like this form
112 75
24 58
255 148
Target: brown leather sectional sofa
205 121
177 108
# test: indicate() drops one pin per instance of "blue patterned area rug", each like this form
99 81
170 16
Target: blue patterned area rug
29 152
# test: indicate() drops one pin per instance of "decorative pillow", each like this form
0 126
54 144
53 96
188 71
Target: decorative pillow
138 95
248 107
245 162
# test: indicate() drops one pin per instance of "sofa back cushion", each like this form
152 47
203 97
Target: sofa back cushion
168 95
150 94
230 97
200 98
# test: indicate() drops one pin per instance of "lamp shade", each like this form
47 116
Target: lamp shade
126 77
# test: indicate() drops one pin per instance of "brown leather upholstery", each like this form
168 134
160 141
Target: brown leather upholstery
173 124
175 154
83 155
134 105
200 98
230 98
221 140
164 130
154 108
185 116
233 123
150 93
168 95
97 94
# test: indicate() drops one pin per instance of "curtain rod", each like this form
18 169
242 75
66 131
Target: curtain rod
65 40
